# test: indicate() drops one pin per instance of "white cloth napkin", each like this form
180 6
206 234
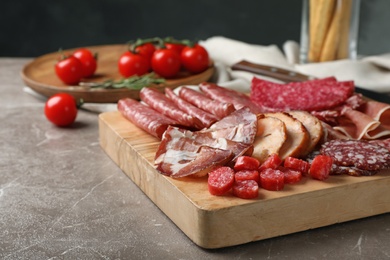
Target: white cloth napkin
371 73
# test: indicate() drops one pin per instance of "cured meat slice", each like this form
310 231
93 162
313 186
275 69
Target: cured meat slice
239 100
353 171
239 126
205 118
176 163
220 110
182 152
313 95
313 126
357 153
270 137
321 167
161 103
297 136
175 136
220 180
145 117
246 189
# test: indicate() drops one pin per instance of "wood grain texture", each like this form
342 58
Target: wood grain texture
39 75
215 222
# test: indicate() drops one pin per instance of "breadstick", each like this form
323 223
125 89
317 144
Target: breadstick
343 50
329 48
322 18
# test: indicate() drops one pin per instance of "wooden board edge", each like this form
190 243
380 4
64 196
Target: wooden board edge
248 222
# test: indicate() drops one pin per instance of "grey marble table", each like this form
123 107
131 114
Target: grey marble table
61 197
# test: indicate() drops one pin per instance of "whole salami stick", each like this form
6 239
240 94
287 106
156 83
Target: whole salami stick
145 117
219 109
161 103
205 118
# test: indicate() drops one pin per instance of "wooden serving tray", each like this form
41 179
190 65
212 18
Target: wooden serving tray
39 75
215 222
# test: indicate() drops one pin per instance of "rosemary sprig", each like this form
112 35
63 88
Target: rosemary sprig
134 82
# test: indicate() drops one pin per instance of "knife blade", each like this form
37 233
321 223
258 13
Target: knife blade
292 76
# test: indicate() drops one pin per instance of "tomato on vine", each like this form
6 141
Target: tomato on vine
146 49
177 47
61 109
131 64
166 63
195 59
69 69
88 60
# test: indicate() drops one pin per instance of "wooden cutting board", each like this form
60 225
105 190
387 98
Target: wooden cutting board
39 75
215 222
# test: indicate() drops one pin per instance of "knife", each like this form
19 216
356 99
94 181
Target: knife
292 76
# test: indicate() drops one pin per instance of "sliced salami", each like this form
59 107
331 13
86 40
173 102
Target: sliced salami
313 95
205 118
246 189
145 117
239 100
198 99
161 103
357 153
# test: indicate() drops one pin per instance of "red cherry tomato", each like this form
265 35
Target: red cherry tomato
61 109
195 59
88 60
177 47
69 70
131 64
166 63
146 50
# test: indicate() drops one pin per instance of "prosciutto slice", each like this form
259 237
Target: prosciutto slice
180 154
240 126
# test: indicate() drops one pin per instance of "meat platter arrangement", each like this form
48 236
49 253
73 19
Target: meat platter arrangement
221 155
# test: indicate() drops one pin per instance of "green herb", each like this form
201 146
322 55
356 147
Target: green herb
134 82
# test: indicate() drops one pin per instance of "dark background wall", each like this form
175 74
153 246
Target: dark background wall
30 28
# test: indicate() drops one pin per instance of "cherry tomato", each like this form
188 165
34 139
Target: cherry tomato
61 109
195 59
146 50
69 70
177 47
166 63
131 64
88 60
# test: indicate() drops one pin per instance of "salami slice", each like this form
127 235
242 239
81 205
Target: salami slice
145 117
246 189
198 99
312 95
357 153
161 103
239 100
205 118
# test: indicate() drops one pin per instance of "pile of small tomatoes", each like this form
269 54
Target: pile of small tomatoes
166 57
70 69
